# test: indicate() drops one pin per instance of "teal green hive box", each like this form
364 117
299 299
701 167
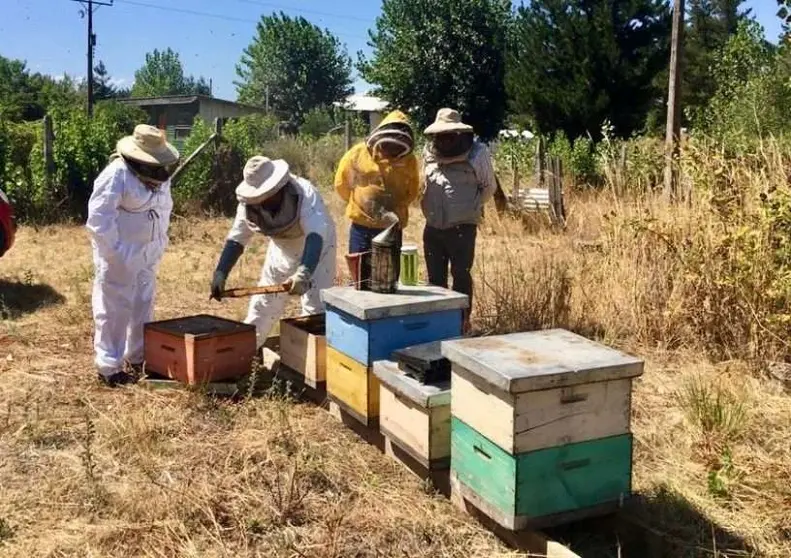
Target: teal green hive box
540 426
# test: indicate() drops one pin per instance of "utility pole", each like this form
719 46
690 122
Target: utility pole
91 45
673 132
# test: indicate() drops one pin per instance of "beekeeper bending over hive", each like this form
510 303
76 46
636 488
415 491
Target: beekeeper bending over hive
128 219
290 211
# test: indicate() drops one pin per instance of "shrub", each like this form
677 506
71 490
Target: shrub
578 158
249 133
317 123
80 151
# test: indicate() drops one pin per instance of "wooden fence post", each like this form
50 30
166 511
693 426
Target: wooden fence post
218 123
540 155
515 176
49 160
555 191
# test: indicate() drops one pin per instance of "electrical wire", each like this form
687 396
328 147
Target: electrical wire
302 10
221 16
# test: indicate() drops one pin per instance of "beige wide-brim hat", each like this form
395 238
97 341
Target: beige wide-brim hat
447 121
263 178
148 145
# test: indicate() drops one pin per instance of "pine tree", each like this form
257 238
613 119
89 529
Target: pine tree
575 63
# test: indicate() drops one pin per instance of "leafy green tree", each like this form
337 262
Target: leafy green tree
429 54
163 74
25 96
784 11
296 65
575 63
710 25
753 94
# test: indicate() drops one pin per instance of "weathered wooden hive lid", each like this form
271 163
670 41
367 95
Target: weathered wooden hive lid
539 360
199 326
368 305
422 395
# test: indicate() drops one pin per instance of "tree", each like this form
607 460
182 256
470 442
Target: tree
429 54
575 63
784 11
752 97
295 65
163 74
102 85
710 25
26 96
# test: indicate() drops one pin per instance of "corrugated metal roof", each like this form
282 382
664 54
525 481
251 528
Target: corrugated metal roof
180 100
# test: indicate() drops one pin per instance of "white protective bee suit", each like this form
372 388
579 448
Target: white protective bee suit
283 257
128 223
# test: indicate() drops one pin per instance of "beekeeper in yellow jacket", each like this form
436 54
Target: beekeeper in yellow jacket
378 178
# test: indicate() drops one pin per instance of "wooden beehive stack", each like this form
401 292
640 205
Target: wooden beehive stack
540 426
414 409
364 327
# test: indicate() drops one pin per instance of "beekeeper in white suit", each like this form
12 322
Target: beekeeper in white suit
128 219
287 209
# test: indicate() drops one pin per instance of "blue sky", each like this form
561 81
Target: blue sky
51 37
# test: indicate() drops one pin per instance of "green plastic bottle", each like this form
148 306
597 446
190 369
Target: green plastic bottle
408 265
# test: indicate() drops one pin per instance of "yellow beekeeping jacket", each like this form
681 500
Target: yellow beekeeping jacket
371 186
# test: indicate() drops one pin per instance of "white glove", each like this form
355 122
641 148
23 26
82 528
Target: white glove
300 281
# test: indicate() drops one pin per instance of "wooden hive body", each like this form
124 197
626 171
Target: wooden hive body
415 416
199 349
541 425
303 348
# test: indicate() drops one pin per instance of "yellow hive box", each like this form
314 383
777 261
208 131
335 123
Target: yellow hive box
353 386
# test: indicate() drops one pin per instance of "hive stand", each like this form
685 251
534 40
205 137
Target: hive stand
540 427
363 327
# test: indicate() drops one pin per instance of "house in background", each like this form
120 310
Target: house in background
370 108
176 113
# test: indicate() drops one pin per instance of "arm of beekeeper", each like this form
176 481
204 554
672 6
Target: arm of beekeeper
413 179
316 227
344 176
238 238
484 172
102 223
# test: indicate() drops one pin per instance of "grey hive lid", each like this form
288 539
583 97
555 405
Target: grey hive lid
422 395
539 360
368 305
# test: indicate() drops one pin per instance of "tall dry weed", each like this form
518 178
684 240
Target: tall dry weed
712 273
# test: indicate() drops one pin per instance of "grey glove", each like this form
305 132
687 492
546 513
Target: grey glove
300 281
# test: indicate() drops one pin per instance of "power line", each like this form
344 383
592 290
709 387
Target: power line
301 10
91 44
213 15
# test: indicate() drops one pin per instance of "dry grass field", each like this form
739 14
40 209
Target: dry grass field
89 471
